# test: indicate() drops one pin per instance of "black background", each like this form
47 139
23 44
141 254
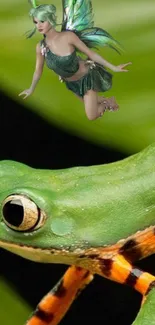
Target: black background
27 138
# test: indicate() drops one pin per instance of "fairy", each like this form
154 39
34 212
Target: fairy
69 53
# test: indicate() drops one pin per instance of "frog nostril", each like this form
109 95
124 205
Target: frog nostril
13 212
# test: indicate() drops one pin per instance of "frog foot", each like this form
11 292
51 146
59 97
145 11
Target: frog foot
109 104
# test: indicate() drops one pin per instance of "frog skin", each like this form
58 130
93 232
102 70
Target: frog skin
97 219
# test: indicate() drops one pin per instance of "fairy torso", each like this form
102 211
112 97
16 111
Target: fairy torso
65 66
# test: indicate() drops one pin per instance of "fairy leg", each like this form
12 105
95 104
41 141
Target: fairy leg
56 303
91 105
93 108
95 105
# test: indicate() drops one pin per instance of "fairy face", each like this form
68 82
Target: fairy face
42 26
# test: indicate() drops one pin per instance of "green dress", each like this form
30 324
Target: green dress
97 77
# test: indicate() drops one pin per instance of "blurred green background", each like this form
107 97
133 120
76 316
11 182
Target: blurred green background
132 23
129 130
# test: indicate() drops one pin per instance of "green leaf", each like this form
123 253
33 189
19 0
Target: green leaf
13 310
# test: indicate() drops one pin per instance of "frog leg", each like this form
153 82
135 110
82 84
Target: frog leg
146 315
55 304
119 269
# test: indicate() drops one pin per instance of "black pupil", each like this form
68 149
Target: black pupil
13 212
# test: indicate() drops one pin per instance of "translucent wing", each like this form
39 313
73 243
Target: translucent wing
78 17
77 14
96 37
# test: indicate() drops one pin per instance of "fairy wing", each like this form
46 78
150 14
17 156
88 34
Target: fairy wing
96 37
77 15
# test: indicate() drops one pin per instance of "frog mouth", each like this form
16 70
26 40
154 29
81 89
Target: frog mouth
42 255
135 247
36 254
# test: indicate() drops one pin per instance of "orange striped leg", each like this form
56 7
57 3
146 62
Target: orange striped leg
120 270
55 304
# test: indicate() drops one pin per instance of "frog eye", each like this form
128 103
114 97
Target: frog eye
22 214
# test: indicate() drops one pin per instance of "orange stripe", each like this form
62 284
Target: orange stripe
143 282
121 269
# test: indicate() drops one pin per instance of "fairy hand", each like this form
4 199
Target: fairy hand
26 92
120 68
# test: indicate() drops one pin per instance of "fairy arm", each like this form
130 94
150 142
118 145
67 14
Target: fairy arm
38 68
37 73
76 42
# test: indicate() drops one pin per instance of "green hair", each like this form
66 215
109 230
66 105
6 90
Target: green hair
43 13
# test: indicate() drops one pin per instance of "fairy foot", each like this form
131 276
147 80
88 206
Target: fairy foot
110 104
